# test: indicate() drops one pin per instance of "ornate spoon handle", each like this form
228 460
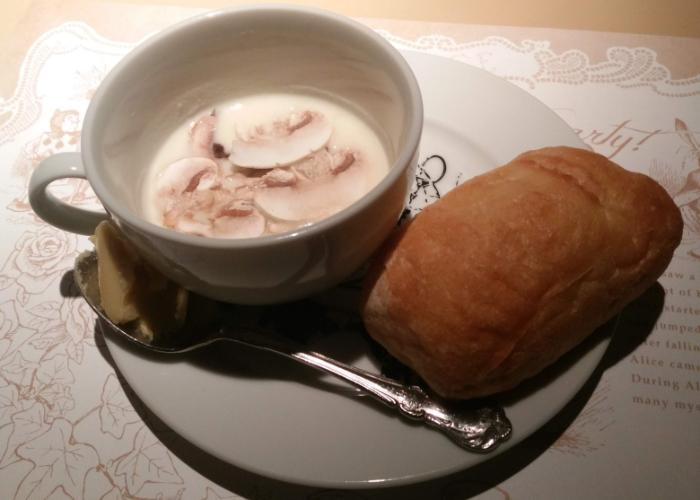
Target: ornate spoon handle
478 429
474 428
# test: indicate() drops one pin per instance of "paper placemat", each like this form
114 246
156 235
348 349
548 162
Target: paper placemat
68 429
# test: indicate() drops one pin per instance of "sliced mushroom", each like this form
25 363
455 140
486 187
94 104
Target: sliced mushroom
187 205
225 167
236 208
186 175
202 136
324 163
194 226
342 160
235 181
239 226
278 177
311 201
286 142
314 166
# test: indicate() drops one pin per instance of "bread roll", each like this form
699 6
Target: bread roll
507 272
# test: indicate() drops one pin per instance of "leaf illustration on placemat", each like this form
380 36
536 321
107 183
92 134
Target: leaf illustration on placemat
54 370
9 318
113 494
116 411
26 425
98 483
148 462
43 313
5 432
9 402
51 385
59 463
78 319
57 398
44 318
17 369
62 327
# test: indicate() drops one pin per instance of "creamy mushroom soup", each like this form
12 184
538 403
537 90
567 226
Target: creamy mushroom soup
263 164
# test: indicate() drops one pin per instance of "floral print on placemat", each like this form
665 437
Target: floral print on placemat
68 425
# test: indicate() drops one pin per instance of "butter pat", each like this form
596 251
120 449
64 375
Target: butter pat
116 271
132 291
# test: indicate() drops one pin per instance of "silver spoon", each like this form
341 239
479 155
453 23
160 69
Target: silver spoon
479 429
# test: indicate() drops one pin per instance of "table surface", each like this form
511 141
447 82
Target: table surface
24 20
671 17
593 63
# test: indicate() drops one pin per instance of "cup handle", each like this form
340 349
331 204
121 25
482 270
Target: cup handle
51 209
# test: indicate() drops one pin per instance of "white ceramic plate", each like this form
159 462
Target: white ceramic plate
266 415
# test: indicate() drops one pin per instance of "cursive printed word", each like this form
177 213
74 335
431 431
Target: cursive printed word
618 138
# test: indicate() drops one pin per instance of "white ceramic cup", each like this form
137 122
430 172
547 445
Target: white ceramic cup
210 58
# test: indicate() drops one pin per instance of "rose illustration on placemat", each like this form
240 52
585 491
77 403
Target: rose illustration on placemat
39 257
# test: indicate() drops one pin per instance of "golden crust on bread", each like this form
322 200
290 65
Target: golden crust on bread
510 270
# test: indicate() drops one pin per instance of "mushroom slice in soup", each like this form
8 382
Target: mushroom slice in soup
311 201
342 160
324 163
187 175
202 136
286 142
314 166
278 177
239 221
190 224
